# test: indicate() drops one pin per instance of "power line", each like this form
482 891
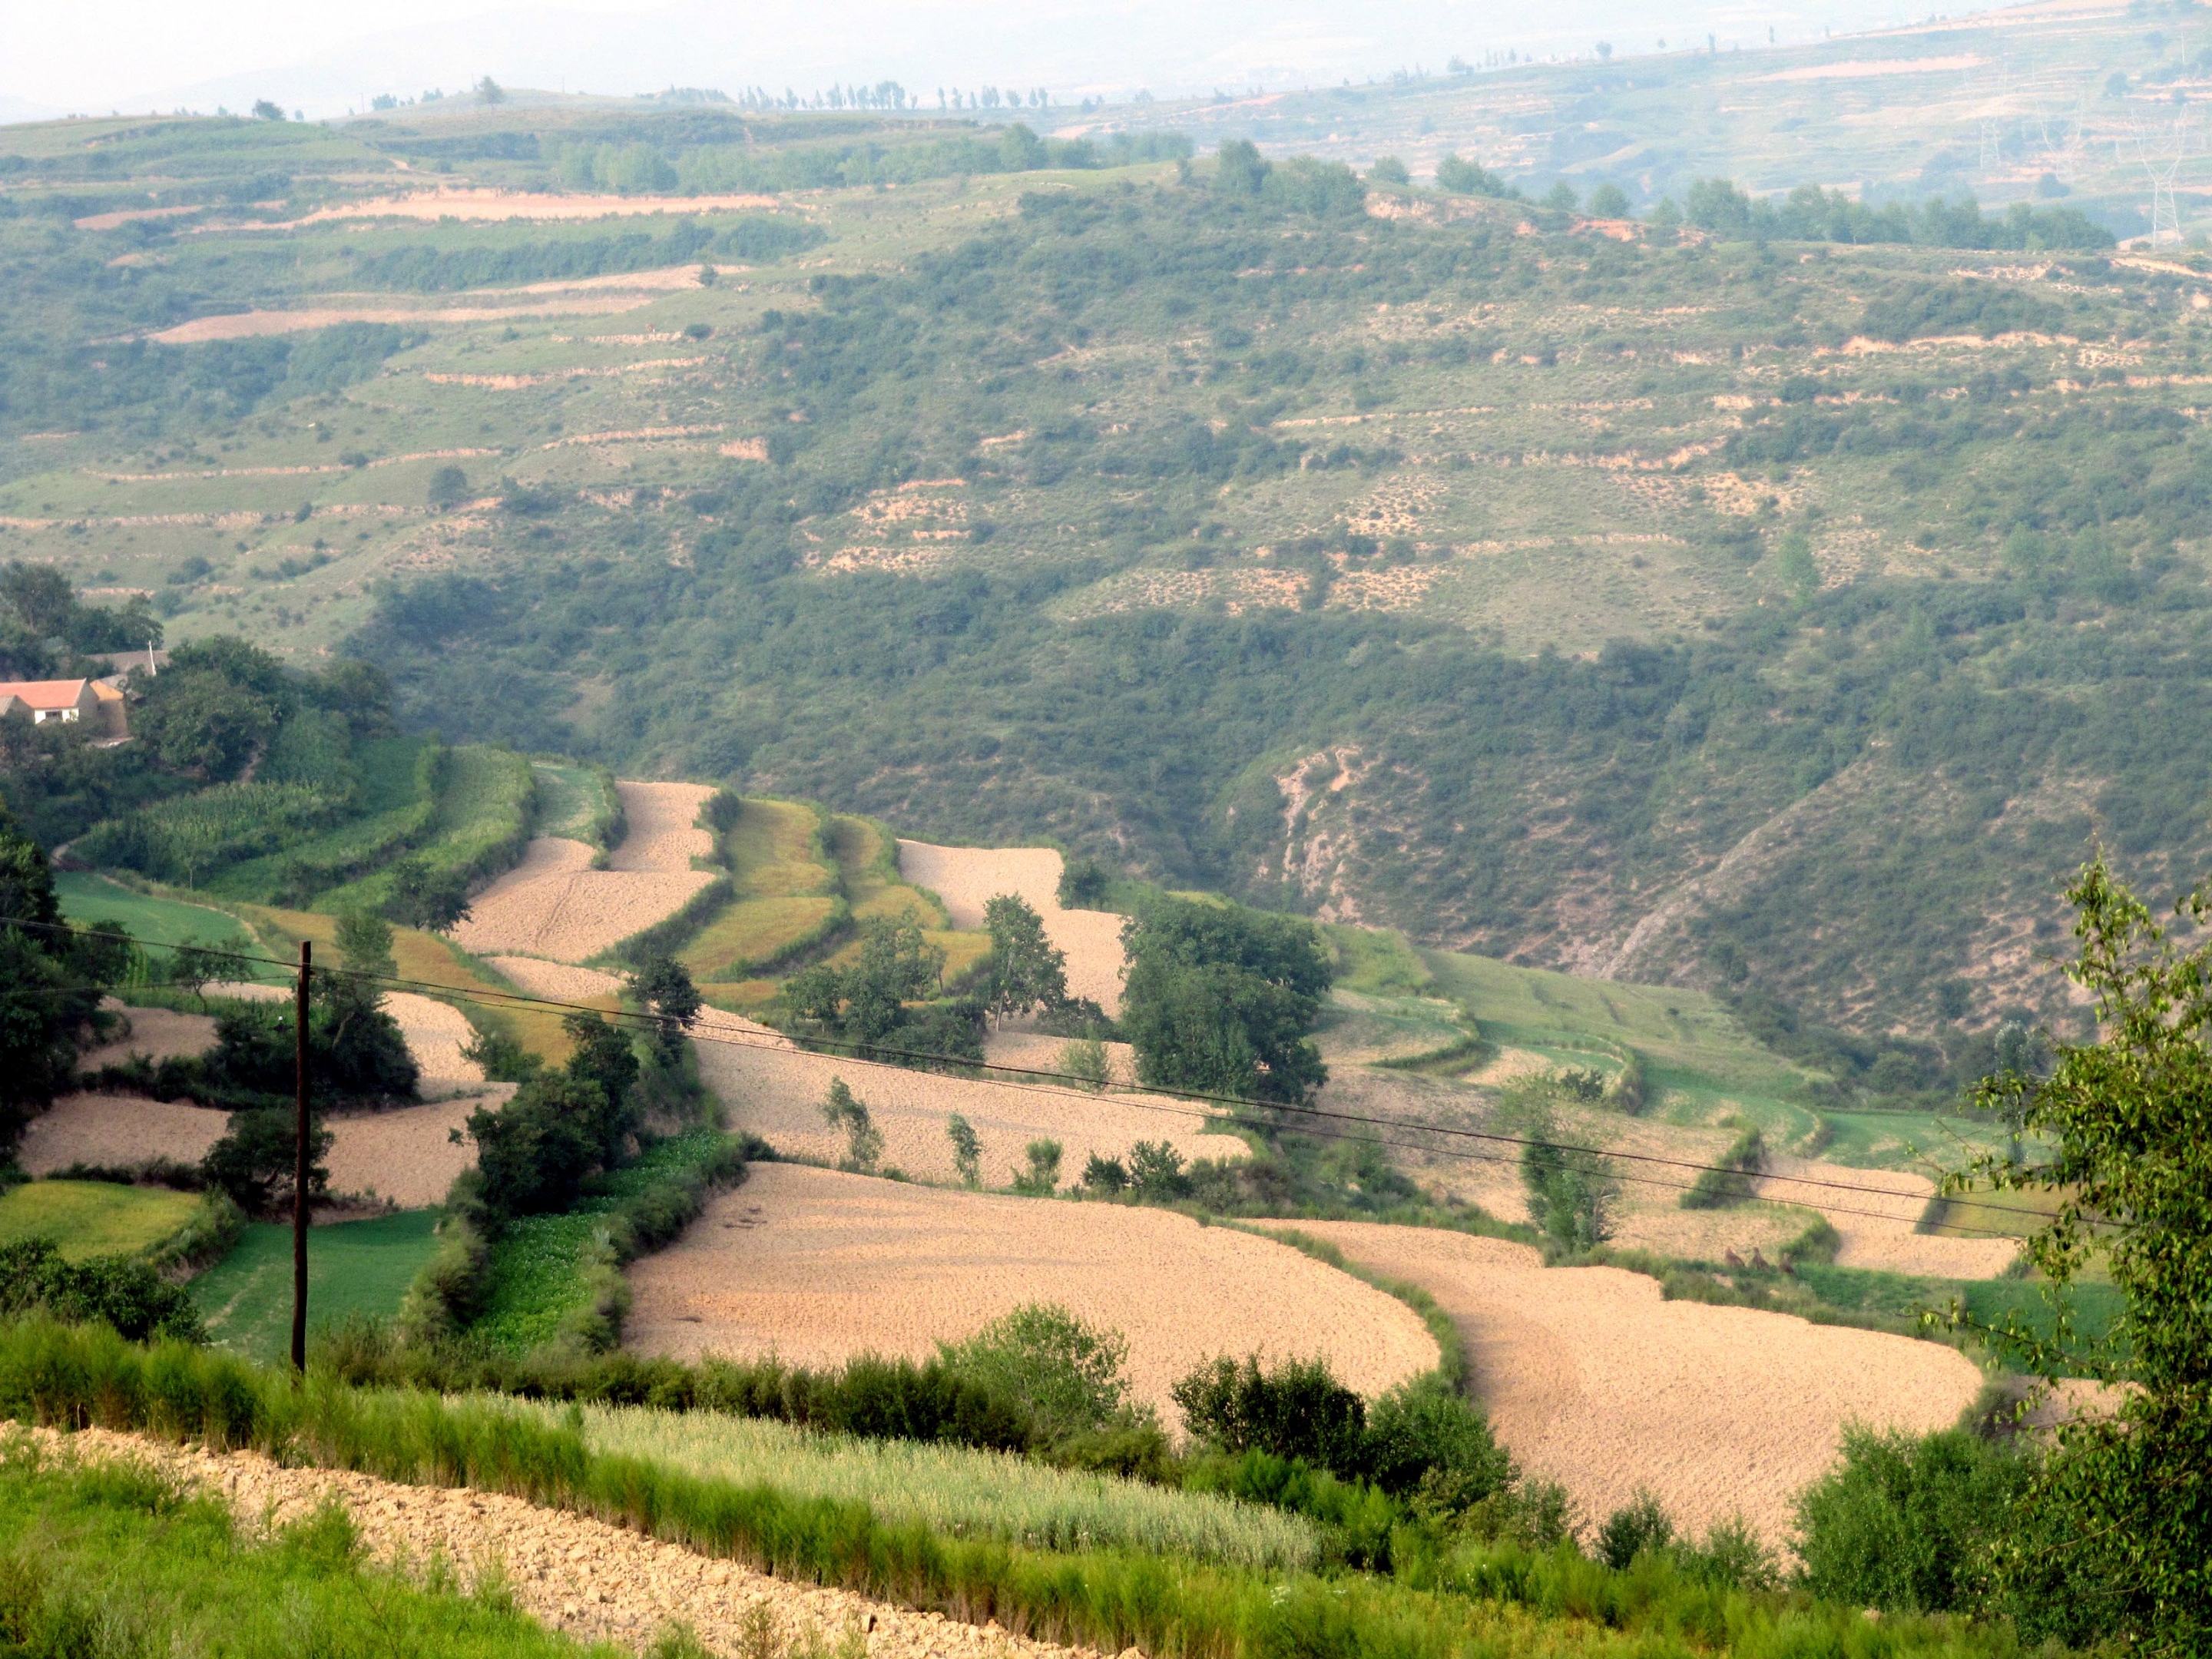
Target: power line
1016 1077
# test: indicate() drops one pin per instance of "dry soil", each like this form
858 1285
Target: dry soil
818 1266
1592 1379
965 877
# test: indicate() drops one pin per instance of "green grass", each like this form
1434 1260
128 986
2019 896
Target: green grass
353 1267
785 897
115 1558
541 1264
569 800
954 1490
485 802
388 812
88 900
94 1218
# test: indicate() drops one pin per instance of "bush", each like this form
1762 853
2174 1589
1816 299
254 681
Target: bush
1067 1372
1733 1177
1298 1410
1422 1437
117 1290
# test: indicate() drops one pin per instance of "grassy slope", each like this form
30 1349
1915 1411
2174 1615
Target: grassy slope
785 896
1656 124
128 1562
88 900
94 1218
353 1267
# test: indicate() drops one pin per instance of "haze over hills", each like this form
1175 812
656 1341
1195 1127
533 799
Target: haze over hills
337 63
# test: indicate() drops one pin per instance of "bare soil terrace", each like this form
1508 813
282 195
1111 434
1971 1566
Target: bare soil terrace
966 877
554 904
1593 1379
816 1266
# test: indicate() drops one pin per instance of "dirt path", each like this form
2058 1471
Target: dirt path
593 1581
1592 1379
554 904
966 877
816 1267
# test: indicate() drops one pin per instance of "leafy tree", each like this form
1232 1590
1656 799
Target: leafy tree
864 1142
1219 999
664 987
51 983
256 1160
1795 564
1573 1190
215 708
2124 1125
1561 197
264 110
603 1055
1389 170
1609 201
967 1150
489 91
1026 969
534 1152
364 942
40 595
436 900
448 486
192 966
865 1004
1104 1175
1464 178
1083 884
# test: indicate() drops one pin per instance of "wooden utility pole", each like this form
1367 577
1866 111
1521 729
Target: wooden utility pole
300 1168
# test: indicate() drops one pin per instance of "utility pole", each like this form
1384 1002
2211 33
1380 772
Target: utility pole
300 1167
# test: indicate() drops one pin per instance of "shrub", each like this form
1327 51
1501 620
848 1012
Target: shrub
1083 884
1641 1527
1085 1061
121 1292
967 1150
864 1142
257 1160
1733 1178
1298 1410
1104 1176
1041 1178
1424 1437
1068 1372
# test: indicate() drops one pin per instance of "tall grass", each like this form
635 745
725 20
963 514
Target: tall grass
1446 1603
952 1489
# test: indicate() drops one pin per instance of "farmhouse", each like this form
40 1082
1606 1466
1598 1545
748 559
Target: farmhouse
97 704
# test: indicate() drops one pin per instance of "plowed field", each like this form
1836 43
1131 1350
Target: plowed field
816 1267
966 877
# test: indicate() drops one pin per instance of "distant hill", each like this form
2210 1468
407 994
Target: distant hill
1779 617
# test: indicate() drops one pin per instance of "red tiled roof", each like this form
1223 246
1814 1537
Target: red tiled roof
44 693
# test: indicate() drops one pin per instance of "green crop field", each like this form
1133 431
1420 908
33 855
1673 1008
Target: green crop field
786 893
353 1267
954 1489
94 1218
88 900
572 800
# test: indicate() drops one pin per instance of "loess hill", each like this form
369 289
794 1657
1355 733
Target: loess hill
1673 609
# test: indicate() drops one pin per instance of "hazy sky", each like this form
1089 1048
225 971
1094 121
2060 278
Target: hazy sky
89 56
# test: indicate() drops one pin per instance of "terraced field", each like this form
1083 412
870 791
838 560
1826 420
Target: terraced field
817 1266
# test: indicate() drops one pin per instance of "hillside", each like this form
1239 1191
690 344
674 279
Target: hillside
2076 101
1676 609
